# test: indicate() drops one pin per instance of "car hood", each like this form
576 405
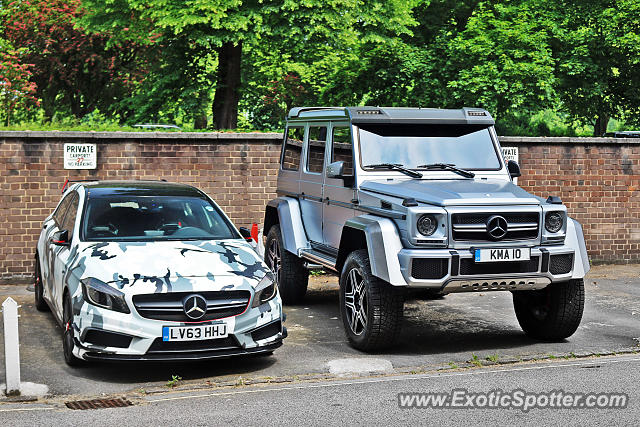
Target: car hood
454 192
170 265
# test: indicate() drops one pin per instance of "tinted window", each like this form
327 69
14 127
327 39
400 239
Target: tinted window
70 218
342 148
293 148
58 215
317 142
140 218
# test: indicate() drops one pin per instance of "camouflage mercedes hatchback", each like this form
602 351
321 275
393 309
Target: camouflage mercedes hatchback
145 270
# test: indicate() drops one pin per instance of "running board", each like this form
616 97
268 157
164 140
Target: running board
317 257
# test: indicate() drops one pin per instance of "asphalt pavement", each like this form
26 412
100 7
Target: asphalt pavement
376 401
457 331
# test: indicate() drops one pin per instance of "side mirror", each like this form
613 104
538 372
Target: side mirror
61 238
335 169
513 168
245 233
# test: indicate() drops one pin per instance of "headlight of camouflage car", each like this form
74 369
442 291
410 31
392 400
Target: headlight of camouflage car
98 293
265 290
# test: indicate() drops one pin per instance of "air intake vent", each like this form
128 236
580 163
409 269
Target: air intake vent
561 264
429 268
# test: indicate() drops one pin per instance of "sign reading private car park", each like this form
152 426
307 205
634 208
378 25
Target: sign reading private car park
80 156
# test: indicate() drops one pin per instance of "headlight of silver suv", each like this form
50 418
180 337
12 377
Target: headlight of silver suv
266 290
555 227
554 221
427 224
98 293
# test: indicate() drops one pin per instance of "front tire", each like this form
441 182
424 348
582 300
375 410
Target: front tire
67 334
40 303
371 309
553 313
291 275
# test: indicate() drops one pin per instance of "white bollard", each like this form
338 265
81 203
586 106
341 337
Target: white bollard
11 346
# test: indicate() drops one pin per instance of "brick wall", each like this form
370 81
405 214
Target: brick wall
598 179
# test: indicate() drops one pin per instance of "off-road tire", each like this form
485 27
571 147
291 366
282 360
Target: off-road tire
39 302
67 334
291 274
552 313
384 305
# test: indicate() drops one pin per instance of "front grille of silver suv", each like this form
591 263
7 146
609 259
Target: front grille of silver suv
472 227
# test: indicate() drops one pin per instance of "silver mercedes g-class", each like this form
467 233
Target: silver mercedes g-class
398 198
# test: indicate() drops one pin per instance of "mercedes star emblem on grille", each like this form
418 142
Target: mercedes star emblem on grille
195 306
497 227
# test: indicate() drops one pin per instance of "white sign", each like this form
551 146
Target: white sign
80 156
510 153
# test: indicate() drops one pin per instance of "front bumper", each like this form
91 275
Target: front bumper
450 270
109 335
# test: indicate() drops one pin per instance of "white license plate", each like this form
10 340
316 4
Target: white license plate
194 333
501 255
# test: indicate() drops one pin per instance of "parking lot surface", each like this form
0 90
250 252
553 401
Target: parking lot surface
454 331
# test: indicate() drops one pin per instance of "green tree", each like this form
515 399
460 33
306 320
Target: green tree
301 31
73 70
503 59
597 46
17 92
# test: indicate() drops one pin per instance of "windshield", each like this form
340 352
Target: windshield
141 218
411 146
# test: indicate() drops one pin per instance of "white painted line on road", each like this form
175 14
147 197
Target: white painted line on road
395 378
46 408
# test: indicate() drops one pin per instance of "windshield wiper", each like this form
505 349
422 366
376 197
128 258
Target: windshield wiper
397 167
447 166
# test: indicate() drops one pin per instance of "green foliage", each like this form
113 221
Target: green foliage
17 92
597 46
504 59
542 68
173 382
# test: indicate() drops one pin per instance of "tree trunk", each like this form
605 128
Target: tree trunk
225 100
600 127
200 121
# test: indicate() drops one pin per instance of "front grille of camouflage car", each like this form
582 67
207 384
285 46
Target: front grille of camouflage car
160 346
169 306
561 264
472 226
470 268
429 268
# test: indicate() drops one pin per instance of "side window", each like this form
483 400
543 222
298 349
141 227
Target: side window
58 215
342 149
292 150
70 218
317 142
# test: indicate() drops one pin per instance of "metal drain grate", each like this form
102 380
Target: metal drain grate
98 403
